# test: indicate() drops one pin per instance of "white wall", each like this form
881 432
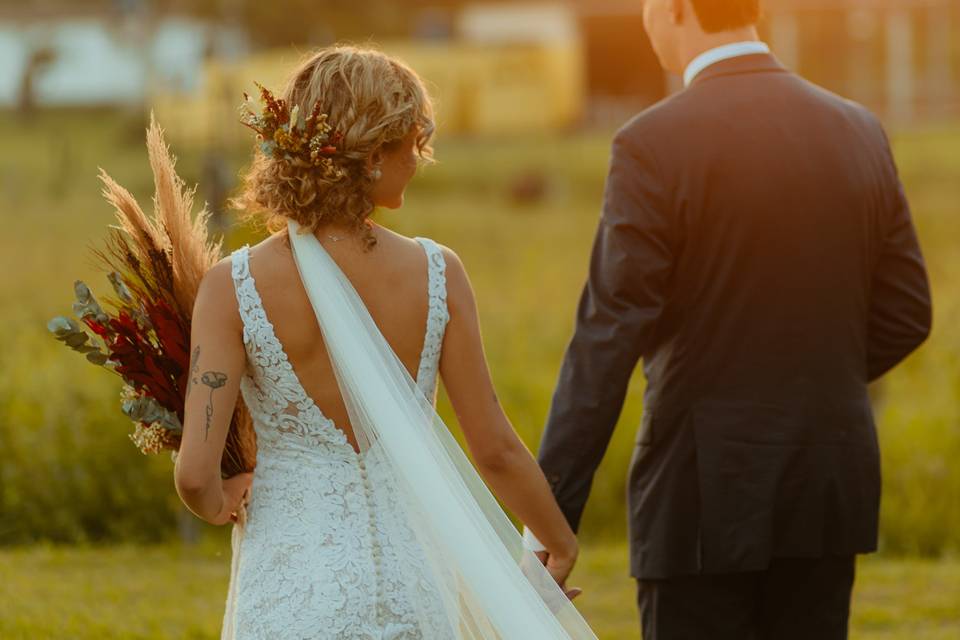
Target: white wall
519 22
100 62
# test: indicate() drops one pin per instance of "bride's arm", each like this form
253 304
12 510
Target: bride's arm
501 457
216 364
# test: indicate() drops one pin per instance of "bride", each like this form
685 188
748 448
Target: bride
363 518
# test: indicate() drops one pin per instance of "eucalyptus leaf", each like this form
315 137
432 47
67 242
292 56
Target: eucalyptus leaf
141 317
119 286
148 411
268 147
76 340
97 357
62 327
86 305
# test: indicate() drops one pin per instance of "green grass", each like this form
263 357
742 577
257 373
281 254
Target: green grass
157 592
69 473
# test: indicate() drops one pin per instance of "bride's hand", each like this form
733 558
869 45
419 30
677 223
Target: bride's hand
559 566
235 492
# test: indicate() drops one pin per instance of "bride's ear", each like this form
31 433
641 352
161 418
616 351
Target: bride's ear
375 163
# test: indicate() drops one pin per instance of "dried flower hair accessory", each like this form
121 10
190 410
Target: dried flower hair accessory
287 135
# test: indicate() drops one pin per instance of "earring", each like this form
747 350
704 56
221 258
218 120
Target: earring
376 174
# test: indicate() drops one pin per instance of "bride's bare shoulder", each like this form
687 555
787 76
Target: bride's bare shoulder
216 296
273 247
219 278
459 291
390 239
217 291
400 251
460 297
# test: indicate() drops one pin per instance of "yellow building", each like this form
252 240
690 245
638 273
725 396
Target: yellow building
494 79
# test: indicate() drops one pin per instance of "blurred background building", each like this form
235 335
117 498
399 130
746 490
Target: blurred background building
898 56
901 57
497 67
93 54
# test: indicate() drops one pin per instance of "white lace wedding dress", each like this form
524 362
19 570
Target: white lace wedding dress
324 552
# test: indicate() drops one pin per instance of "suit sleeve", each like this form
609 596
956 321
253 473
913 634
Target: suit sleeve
900 306
630 264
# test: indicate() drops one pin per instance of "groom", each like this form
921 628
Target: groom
756 251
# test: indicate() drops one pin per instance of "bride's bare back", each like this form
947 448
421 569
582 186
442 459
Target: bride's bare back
391 278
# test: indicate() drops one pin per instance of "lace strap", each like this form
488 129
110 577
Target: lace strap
437 282
241 264
437 316
241 283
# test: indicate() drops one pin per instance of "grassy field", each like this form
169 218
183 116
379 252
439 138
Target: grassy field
160 592
69 474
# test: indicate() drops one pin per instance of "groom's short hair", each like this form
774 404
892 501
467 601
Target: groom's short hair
725 15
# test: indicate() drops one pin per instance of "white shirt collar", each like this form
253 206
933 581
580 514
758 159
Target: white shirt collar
727 51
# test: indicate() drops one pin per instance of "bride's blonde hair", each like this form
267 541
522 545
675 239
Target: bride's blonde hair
374 101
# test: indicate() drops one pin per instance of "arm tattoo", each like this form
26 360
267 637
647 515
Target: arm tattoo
194 365
214 380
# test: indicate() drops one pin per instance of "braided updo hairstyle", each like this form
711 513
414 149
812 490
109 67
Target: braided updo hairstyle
374 101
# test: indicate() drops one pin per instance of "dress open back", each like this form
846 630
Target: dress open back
324 552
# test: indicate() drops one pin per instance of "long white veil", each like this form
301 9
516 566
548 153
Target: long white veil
493 587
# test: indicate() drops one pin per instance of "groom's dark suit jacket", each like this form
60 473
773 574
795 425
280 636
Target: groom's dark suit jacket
756 251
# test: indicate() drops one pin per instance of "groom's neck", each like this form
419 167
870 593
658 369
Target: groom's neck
700 42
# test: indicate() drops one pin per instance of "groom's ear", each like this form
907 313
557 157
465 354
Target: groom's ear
678 11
